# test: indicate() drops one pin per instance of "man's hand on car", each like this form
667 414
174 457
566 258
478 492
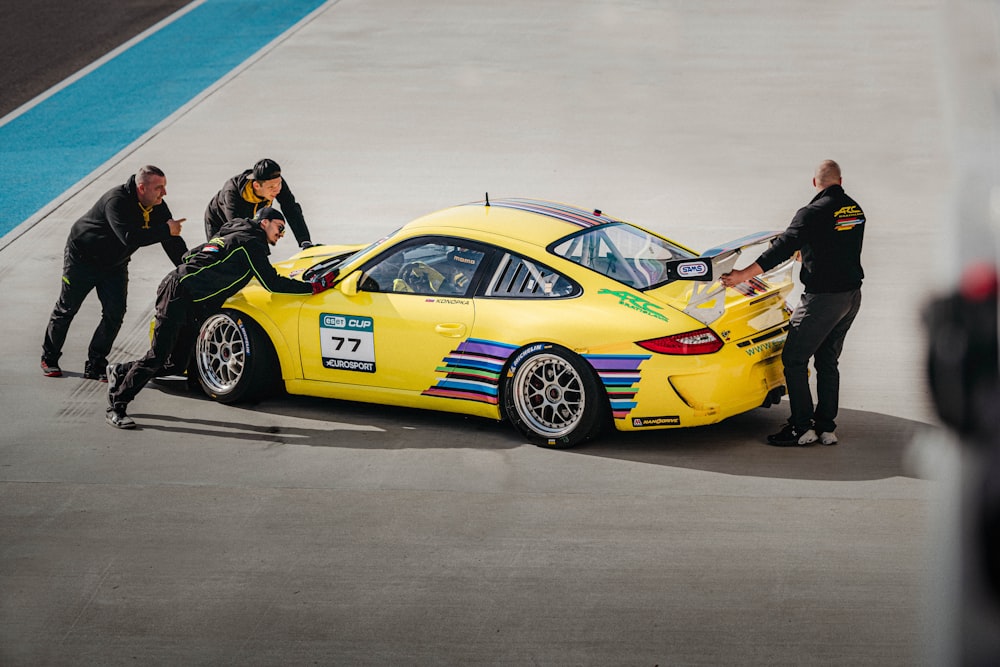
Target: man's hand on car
324 282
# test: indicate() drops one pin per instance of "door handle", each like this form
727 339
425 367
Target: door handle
451 329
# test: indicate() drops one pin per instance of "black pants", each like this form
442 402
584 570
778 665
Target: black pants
818 328
79 278
175 327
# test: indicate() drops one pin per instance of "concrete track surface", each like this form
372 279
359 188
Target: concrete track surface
303 531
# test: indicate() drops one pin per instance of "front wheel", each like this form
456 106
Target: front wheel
234 358
553 397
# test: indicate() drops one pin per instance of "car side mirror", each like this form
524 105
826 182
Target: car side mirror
349 285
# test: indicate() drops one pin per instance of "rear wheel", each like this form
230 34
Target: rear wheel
553 397
234 358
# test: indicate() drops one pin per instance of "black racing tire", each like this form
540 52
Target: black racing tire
234 358
553 397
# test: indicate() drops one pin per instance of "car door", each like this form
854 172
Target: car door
413 307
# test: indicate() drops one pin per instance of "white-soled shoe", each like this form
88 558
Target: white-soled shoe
789 436
116 417
808 438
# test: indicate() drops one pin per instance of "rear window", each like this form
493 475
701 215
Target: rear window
622 252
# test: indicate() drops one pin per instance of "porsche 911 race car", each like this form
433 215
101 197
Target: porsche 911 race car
560 320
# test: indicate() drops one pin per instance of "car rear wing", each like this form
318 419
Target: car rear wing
707 301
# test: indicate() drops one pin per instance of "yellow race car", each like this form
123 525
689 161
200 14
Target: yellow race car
561 320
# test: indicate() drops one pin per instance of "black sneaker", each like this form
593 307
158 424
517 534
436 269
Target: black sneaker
51 370
116 417
790 436
97 372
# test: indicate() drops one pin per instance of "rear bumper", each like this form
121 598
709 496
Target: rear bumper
704 395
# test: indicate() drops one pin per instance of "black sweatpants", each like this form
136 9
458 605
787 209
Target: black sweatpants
79 278
817 331
174 318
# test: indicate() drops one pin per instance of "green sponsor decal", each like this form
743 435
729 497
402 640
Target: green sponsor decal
636 302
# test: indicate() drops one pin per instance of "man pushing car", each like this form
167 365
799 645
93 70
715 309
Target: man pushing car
207 276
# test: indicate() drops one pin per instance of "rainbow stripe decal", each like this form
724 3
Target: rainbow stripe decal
620 374
752 287
848 223
570 214
472 371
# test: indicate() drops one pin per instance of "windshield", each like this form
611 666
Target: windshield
336 261
622 252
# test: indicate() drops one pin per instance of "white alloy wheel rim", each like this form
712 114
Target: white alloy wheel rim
221 354
549 395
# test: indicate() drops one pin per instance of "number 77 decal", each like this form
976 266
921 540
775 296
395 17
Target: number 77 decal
347 342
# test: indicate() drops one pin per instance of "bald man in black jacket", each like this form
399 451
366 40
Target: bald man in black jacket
828 232
97 254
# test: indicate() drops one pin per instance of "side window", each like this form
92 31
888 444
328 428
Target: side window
427 267
519 278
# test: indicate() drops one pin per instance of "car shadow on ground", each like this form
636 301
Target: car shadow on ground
872 446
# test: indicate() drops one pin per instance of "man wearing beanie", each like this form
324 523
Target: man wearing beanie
245 194
209 275
96 257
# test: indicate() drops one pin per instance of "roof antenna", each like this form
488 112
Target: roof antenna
487 198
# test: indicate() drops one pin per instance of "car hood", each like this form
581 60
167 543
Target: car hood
297 264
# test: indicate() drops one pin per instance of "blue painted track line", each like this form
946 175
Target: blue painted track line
51 146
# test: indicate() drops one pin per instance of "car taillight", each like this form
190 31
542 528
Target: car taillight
702 341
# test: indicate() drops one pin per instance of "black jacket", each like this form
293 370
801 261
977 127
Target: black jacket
218 269
229 204
829 231
114 228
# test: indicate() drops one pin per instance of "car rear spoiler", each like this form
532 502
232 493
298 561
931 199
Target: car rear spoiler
705 303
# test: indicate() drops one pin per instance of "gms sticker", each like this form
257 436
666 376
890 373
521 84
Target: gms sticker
692 269
636 302
347 342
